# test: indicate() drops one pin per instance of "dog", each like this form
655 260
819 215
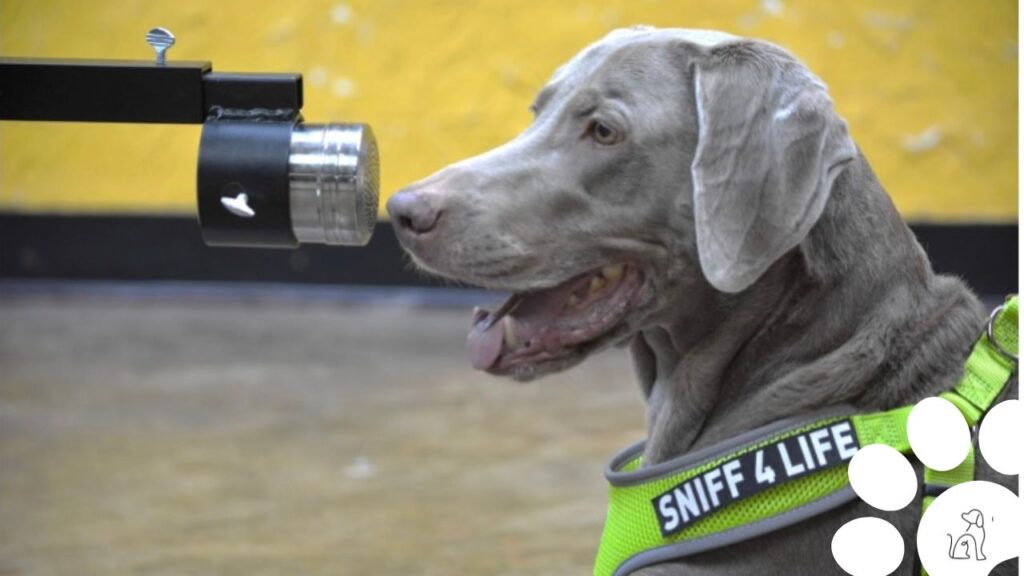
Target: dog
695 197
970 544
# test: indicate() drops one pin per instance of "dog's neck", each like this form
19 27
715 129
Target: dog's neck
854 315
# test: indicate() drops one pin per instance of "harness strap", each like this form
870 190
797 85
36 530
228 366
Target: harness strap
776 475
750 485
889 427
990 366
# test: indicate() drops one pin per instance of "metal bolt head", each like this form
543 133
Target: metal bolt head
160 39
239 205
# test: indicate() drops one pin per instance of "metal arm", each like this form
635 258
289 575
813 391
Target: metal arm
135 91
264 178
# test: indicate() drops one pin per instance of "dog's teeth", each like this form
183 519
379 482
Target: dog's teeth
573 300
612 272
479 314
596 283
510 332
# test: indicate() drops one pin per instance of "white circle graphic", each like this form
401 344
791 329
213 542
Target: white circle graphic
938 434
882 477
969 529
1000 436
868 547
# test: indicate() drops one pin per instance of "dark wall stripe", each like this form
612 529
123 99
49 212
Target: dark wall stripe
984 255
162 248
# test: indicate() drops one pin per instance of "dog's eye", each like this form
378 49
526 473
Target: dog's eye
602 133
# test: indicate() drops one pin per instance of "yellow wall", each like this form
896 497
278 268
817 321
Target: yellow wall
929 87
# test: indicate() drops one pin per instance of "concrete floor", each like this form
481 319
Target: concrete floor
155 436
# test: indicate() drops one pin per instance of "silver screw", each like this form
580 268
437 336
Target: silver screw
160 39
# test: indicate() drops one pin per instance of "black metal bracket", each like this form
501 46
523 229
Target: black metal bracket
251 122
68 90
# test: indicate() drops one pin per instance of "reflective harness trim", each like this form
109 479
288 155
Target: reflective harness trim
779 474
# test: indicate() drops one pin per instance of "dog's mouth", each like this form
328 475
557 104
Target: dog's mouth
554 325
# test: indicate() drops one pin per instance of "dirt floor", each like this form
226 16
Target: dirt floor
159 436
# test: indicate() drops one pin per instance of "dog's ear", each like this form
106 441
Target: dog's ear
974 517
769 147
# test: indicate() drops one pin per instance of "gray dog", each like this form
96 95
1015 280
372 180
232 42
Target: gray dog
694 196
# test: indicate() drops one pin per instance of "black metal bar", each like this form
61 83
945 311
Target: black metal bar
250 91
135 91
102 91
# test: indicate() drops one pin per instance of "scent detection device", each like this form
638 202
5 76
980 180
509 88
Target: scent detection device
265 177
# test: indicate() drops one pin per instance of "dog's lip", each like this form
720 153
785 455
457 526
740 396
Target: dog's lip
544 326
524 371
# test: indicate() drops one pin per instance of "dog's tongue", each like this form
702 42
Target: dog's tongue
485 345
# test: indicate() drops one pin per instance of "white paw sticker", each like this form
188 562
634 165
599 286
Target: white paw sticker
1000 436
969 528
938 434
867 533
882 477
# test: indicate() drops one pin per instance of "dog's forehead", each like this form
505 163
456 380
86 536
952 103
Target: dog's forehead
625 38
631 40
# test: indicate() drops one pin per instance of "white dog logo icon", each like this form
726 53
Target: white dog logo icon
972 540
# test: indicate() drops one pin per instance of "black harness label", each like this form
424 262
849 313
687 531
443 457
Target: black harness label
753 472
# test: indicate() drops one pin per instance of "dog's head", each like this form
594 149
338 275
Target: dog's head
663 168
974 517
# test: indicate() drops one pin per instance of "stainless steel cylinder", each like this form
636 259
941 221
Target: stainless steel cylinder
333 183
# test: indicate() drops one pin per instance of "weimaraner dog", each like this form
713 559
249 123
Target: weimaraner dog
695 196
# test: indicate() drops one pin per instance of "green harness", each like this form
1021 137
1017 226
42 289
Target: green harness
779 474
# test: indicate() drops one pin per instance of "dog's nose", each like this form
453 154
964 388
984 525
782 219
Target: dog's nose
414 212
